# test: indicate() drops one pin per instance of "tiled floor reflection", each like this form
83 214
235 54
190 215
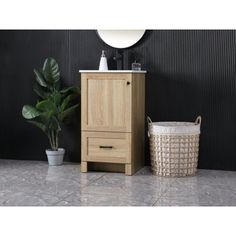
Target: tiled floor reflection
34 183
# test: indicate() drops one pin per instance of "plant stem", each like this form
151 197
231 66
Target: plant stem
50 140
53 140
56 138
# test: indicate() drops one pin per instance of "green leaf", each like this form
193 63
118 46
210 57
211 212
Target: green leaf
40 125
40 91
56 98
73 89
46 116
46 106
30 112
57 85
67 100
68 112
51 70
40 78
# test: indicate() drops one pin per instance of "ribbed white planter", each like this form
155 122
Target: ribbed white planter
55 158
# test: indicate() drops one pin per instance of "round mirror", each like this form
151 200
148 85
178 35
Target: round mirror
121 38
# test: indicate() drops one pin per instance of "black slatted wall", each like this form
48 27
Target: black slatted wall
190 72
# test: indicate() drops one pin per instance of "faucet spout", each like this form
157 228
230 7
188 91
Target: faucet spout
119 59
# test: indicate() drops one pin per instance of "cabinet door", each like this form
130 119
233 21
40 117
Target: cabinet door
106 102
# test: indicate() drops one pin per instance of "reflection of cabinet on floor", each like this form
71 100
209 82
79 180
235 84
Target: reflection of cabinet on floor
113 120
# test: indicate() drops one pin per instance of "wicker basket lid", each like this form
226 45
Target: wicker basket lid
175 127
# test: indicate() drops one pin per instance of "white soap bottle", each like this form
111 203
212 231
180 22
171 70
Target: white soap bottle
103 62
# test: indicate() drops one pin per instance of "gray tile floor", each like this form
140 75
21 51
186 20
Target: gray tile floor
34 183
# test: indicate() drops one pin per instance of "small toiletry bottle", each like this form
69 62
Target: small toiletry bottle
103 62
136 65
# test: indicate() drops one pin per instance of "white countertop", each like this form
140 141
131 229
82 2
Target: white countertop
112 71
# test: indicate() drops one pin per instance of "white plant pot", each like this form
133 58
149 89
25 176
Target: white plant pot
55 158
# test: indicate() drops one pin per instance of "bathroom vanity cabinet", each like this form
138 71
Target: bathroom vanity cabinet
112 120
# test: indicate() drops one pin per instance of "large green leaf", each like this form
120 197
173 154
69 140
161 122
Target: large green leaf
45 116
30 112
56 97
40 78
46 106
51 70
57 85
67 100
41 92
40 125
74 89
68 112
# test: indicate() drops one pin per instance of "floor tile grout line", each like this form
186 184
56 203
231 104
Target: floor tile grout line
92 181
82 187
54 204
155 202
163 194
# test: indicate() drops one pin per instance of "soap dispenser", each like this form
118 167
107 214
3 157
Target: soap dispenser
103 62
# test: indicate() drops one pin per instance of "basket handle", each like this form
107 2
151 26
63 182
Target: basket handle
149 121
198 121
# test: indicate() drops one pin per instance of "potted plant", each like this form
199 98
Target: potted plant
54 107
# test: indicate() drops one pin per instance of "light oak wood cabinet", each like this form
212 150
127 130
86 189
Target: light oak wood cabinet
112 120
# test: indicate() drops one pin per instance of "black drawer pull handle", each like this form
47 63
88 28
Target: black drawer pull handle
128 83
105 146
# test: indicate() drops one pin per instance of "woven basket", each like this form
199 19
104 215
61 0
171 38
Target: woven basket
174 147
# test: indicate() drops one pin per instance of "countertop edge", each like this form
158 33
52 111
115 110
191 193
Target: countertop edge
113 71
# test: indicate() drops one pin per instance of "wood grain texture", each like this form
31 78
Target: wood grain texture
106 102
138 122
113 107
95 147
84 166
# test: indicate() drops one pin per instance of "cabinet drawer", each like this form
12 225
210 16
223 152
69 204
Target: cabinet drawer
106 147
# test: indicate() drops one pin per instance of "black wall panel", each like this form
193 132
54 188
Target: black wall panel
190 72
21 51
